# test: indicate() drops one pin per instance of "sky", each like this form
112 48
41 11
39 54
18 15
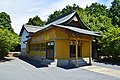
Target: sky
21 10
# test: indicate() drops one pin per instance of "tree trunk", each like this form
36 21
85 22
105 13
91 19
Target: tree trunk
1 56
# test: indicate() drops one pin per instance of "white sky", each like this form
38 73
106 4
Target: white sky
21 10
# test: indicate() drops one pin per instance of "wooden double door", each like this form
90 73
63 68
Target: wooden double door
73 50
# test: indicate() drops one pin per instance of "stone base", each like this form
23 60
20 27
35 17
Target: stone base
36 58
87 60
81 62
63 62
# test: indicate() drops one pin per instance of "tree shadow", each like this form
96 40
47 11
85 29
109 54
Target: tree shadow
5 59
33 62
107 62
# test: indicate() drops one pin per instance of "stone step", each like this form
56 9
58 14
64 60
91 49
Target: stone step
53 64
46 62
81 62
50 63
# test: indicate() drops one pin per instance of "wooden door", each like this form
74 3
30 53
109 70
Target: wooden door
50 50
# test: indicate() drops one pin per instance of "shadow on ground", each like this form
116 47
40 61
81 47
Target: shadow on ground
38 64
6 59
73 66
35 63
108 62
68 67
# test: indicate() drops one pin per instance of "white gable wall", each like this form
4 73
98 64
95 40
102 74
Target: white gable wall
23 38
23 45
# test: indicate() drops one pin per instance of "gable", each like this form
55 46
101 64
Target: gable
22 30
30 29
23 38
69 19
75 21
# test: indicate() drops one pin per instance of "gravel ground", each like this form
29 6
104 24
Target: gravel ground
108 65
17 69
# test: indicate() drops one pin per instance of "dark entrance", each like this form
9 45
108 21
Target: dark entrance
50 50
73 50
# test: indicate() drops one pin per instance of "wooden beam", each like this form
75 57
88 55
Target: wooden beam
90 56
77 53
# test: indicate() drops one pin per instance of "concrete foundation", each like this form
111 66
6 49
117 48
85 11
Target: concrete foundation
63 62
71 62
23 52
87 59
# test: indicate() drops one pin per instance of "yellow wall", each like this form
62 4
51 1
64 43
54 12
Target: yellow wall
62 49
62 43
85 49
37 53
41 37
61 33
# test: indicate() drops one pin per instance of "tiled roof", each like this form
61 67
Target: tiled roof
59 17
78 30
61 20
32 29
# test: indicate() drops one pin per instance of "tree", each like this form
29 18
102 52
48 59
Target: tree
36 21
54 15
97 20
8 41
111 42
96 10
5 21
60 12
114 13
8 38
100 24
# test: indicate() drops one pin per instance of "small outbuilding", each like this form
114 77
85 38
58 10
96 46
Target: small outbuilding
25 31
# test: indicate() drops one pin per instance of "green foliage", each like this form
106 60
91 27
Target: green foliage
96 10
5 21
8 40
36 21
115 12
101 23
60 12
111 42
97 19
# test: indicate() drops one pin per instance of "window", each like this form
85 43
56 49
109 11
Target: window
38 47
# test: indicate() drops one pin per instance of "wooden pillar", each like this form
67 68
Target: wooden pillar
76 52
90 56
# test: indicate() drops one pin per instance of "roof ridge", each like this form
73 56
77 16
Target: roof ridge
60 16
31 26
